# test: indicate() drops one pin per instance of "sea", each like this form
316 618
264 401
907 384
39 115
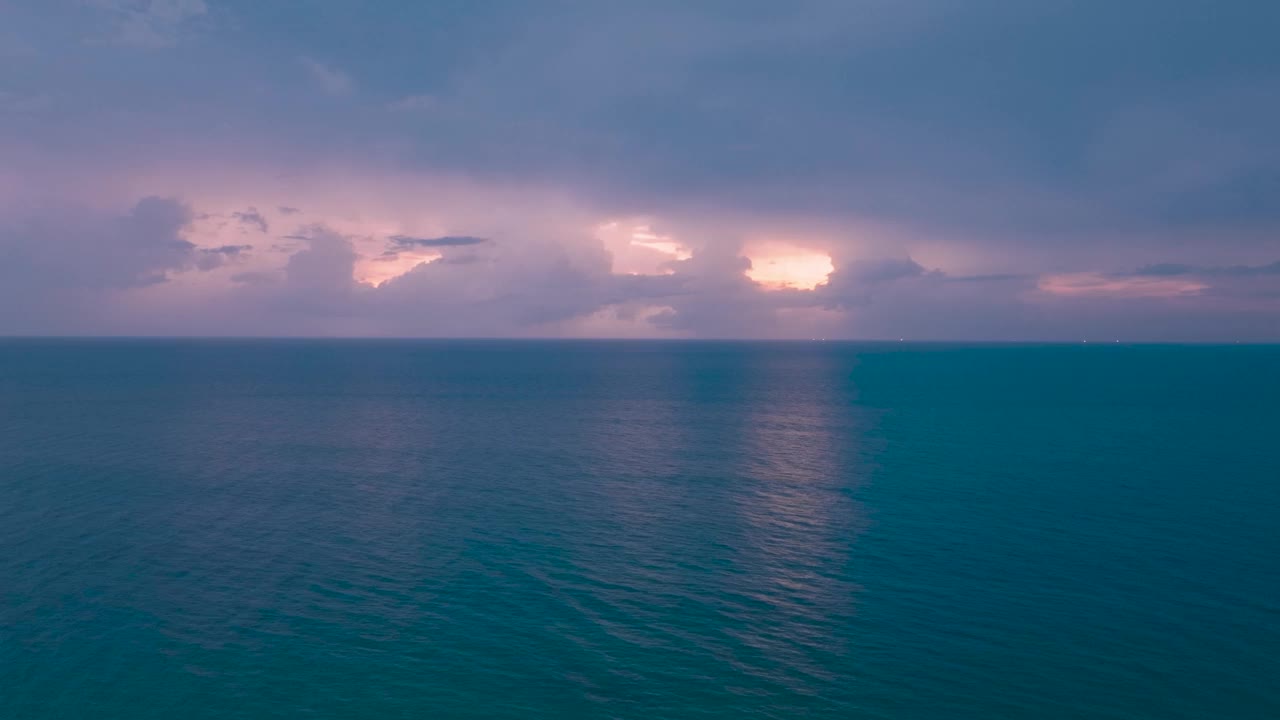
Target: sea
230 529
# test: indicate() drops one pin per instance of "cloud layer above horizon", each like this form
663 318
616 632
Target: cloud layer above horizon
935 169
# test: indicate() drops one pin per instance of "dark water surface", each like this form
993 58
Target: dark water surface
283 529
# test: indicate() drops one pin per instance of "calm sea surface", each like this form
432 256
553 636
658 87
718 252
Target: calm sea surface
395 529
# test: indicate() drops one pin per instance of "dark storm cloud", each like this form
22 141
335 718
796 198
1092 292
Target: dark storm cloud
878 271
1019 141
55 266
1004 117
84 250
1042 117
858 283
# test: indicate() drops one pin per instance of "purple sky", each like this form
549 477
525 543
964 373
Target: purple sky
926 169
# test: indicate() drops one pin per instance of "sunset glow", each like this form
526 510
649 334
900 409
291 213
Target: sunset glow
779 267
379 269
566 171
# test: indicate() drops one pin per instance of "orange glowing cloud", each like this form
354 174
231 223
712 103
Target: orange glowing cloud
778 266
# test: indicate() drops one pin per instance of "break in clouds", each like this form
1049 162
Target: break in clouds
824 168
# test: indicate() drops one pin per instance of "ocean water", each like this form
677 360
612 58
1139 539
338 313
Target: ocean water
395 529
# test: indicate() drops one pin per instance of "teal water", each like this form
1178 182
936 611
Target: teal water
283 529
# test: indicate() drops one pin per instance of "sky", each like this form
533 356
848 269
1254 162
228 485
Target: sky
998 170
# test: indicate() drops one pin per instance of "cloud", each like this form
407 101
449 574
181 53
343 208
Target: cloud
710 295
212 258
480 288
252 218
412 103
1095 284
58 265
256 278
548 282
76 250
930 172
86 250
149 24
1257 286
533 285
400 242
1175 269
325 266
1164 269
329 79
871 272
854 283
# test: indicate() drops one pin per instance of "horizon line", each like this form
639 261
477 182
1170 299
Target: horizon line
499 338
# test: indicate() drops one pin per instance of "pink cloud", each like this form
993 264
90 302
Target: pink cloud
1094 284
